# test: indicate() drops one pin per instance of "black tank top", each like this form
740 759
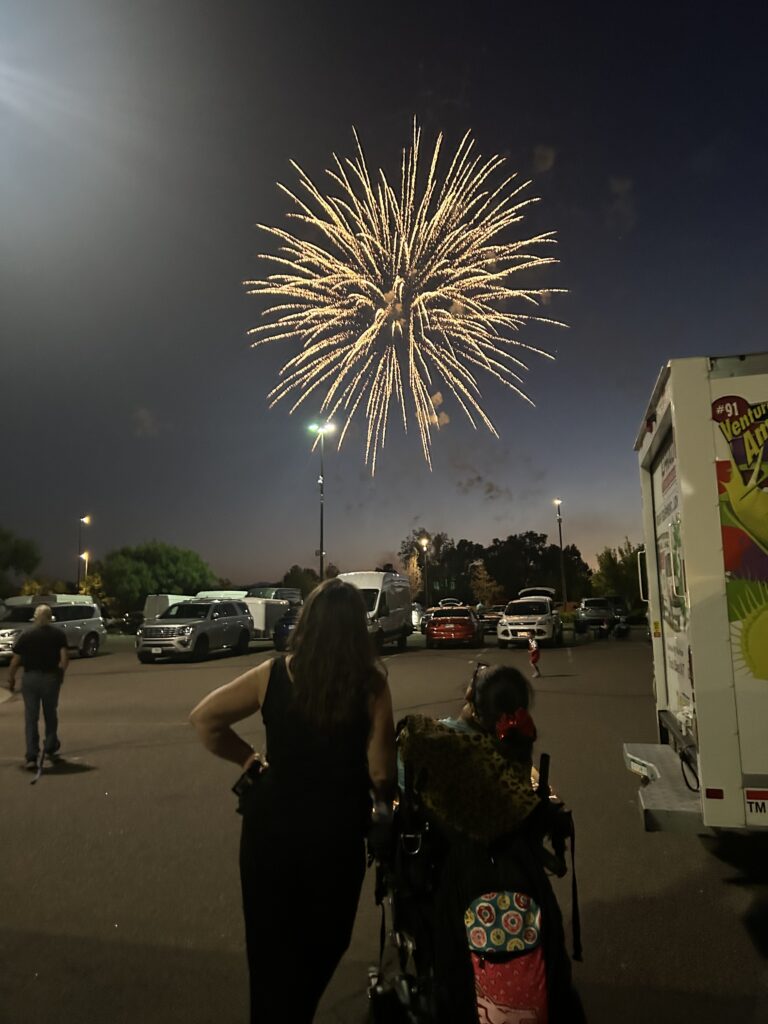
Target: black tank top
316 779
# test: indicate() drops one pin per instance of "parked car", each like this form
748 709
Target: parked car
417 614
194 629
595 613
454 624
426 616
127 624
492 616
548 592
284 627
529 615
290 594
264 611
450 602
618 604
82 624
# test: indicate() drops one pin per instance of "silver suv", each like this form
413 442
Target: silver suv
596 613
82 624
193 629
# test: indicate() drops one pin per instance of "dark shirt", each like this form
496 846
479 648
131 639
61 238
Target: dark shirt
40 648
317 783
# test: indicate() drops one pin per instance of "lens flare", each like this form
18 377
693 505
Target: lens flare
397 291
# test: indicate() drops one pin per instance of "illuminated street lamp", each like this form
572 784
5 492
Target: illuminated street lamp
558 505
424 541
83 521
320 430
85 556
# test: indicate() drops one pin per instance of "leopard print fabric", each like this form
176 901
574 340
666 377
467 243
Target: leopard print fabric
464 780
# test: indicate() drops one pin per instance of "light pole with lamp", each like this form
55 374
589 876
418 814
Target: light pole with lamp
83 521
558 506
424 541
320 430
85 556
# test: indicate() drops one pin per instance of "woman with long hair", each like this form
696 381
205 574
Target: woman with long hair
327 710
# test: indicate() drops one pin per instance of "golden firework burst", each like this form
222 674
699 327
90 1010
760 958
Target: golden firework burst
398 290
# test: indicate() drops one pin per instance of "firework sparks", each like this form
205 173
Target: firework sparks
402 289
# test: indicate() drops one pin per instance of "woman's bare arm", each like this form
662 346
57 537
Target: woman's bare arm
215 715
382 758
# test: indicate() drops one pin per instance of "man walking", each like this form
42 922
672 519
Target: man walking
42 653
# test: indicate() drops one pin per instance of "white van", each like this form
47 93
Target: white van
387 598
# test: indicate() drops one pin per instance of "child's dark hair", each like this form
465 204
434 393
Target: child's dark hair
501 690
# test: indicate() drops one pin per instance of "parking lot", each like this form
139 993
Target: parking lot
119 873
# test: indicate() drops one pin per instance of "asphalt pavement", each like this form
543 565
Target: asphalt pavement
118 870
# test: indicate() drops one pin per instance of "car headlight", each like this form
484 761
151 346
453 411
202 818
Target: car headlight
185 630
10 634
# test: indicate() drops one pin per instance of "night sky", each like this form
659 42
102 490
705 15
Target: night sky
140 144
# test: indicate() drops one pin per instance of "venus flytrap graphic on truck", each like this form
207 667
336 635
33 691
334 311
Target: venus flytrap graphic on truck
703 453
742 480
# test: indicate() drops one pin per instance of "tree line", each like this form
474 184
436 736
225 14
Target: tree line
436 565
440 567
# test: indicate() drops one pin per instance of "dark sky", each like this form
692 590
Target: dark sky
140 144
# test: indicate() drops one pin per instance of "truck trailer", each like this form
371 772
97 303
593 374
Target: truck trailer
703 454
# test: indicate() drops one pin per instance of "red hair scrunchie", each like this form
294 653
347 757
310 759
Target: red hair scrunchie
520 722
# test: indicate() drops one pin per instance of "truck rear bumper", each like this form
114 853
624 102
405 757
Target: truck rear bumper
666 803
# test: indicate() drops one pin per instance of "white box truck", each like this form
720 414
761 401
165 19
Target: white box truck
703 453
387 597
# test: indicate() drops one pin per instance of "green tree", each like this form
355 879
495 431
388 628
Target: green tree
46 585
485 589
439 556
18 557
304 579
617 572
458 560
517 562
129 574
412 569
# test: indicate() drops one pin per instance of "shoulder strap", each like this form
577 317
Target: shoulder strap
278 676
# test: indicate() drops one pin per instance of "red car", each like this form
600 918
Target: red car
454 625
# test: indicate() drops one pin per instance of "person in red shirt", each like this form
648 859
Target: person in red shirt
533 656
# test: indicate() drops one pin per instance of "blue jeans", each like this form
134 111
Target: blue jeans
41 688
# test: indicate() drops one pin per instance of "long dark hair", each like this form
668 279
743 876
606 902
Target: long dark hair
334 665
500 695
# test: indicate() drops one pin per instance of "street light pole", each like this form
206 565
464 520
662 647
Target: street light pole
424 541
558 505
83 521
321 481
320 430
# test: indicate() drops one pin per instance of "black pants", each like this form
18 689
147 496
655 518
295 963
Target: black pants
299 902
